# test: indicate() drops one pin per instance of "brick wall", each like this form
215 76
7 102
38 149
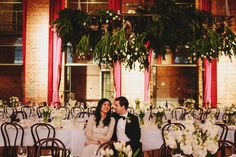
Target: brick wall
36 71
226 68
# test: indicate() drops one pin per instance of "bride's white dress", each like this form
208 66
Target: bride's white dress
94 133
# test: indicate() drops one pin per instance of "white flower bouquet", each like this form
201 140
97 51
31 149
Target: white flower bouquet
189 103
196 140
14 100
122 149
159 114
230 111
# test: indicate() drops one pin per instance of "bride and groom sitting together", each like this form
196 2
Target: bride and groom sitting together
106 126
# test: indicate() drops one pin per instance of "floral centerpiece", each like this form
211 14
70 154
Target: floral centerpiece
141 110
1 103
122 149
230 111
14 101
196 140
159 114
57 116
189 103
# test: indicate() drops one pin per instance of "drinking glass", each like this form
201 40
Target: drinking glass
22 151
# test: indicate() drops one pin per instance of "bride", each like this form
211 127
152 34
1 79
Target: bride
99 128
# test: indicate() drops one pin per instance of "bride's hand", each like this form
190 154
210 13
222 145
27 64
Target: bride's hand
101 141
90 142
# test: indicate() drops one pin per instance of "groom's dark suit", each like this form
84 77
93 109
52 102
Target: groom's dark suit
132 131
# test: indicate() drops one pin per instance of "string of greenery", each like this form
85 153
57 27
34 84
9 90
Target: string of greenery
111 37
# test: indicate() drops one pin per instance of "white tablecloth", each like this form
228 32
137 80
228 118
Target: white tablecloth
73 136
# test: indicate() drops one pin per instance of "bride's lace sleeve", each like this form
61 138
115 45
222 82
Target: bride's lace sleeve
89 129
110 129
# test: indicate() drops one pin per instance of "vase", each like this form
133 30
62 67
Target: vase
159 121
45 118
137 106
141 121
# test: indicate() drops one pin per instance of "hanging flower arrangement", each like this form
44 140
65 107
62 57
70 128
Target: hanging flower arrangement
108 37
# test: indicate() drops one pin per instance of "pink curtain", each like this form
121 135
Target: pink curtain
147 78
207 83
210 70
117 78
115 5
55 54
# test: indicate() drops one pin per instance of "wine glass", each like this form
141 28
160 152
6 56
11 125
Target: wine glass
22 151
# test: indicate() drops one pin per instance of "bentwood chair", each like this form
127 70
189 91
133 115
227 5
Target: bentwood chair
39 110
67 111
214 111
51 147
9 110
13 135
28 110
223 131
165 150
75 110
178 113
92 110
42 130
226 148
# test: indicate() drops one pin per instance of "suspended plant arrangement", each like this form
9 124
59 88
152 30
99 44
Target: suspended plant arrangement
109 37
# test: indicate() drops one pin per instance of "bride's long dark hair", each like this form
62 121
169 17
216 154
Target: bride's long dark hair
107 119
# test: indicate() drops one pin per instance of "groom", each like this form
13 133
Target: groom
127 125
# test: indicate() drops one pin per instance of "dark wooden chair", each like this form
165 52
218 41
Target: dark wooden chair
67 111
224 130
48 131
178 113
29 110
92 110
12 138
39 111
214 111
165 150
226 148
75 110
51 147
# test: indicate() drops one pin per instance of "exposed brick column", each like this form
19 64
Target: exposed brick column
36 58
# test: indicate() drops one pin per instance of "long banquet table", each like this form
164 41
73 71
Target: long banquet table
72 135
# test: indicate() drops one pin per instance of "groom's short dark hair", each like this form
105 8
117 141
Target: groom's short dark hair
123 101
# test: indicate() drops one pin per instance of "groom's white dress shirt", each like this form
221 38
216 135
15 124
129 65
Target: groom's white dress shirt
121 136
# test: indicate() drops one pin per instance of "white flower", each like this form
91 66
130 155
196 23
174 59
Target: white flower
130 154
118 146
187 149
103 153
111 152
107 151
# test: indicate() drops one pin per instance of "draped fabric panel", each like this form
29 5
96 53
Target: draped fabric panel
117 78
147 73
117 67
114 5
24 40
55 54
207 83
210 69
